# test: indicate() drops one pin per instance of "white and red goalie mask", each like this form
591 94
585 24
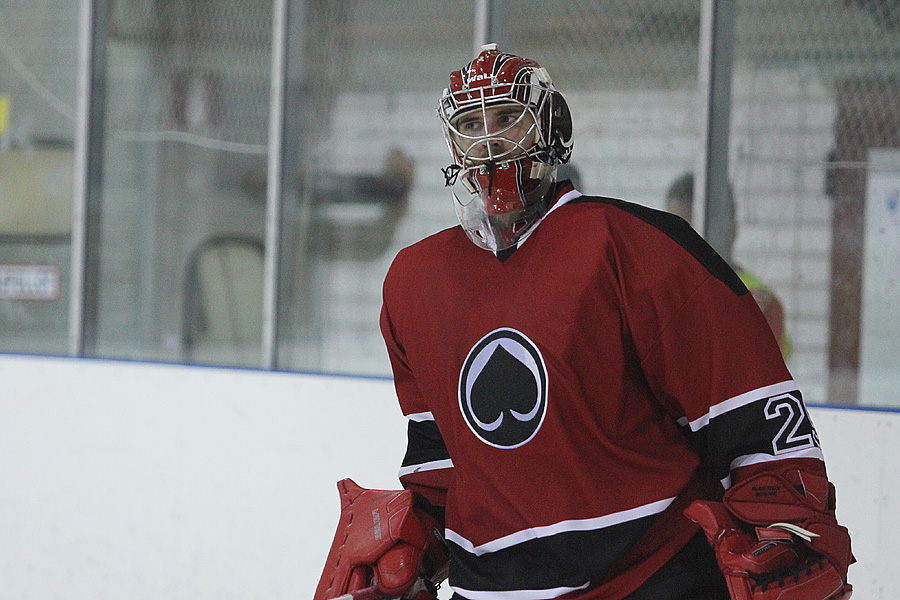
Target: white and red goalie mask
507 129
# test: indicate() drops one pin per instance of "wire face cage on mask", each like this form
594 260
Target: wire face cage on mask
493 130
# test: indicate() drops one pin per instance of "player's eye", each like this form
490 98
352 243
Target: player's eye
510 117
469 126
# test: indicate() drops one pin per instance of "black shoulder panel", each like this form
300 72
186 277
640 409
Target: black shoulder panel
683 234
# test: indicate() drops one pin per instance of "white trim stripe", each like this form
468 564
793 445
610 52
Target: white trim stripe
517 594
756 459
744 399
533 533
420 417
429 466
562 200
567 197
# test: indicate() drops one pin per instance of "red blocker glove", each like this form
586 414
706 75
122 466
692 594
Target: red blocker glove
382 548
776 538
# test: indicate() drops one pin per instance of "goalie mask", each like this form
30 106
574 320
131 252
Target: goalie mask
507 129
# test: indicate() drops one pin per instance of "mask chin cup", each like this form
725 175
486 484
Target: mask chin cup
491 229
476 224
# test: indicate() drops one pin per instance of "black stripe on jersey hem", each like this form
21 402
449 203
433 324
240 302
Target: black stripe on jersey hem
568 559
778 424
424 444
683 234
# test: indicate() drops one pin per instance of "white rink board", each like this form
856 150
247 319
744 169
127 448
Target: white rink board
140 481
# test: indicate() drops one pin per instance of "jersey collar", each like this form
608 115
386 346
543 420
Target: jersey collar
565 193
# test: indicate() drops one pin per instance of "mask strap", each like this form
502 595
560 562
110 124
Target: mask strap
491 167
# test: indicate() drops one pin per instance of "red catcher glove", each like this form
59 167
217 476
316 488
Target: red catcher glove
796 551
382 548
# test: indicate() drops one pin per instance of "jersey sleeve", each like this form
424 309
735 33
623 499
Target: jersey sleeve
426 466
710 356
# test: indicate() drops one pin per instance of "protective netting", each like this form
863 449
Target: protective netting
37 111
815 89
186 118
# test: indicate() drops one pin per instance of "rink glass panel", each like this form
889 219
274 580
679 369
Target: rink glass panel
181 232
37 120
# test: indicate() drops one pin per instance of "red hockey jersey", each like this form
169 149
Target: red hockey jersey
560 398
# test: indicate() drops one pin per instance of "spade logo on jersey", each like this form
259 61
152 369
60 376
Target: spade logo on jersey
503 389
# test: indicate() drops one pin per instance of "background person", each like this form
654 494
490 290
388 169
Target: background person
680 201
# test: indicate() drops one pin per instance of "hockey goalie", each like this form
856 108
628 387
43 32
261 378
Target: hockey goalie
597 408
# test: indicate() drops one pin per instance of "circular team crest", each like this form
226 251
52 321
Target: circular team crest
503 389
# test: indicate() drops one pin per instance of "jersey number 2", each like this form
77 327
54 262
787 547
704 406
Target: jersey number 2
789 437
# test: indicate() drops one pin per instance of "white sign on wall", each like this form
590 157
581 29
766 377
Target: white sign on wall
879 371
29 282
